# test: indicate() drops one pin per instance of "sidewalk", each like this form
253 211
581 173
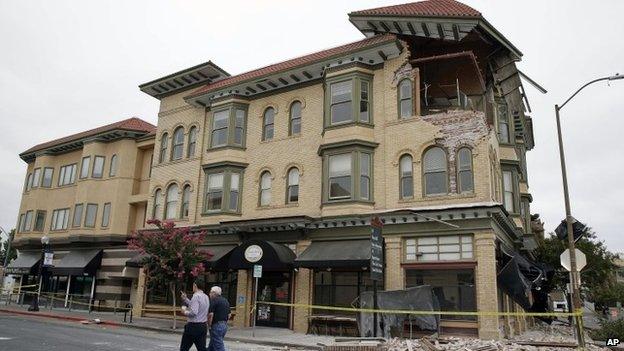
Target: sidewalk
264 336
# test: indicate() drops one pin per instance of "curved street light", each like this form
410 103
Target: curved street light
574 274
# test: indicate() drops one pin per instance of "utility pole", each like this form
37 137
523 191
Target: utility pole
574 273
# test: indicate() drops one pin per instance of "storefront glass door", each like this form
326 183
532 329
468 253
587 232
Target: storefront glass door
274 287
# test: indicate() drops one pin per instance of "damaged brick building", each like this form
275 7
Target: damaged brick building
422 123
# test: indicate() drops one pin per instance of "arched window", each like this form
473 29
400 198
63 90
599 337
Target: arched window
464 170
292 192
156 211
113 166
164 140
265 189
192 143
178 143
268 125
407 176
435 171
405 98
294 126
186 200
171 203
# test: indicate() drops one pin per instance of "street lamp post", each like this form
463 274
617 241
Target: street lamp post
574 274
34 303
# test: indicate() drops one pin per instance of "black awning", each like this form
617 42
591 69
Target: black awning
220 256
136 260
25 263
273 256
79 262
514 283
336 254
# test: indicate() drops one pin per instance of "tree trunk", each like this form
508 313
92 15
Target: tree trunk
173 294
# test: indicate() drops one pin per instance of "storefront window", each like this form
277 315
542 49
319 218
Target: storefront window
439 248
227 281
454 288
340 289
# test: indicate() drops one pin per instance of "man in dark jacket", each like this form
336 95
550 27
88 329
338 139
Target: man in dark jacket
218 316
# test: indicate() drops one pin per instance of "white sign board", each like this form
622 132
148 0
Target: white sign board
47 258
257 272
581 260
253 253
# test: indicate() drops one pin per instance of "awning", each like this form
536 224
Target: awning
220 256
268 254
79 262
25 263
336 254
514 283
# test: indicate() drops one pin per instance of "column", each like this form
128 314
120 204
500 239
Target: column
393 255
138 303
303 293
243 299
485 276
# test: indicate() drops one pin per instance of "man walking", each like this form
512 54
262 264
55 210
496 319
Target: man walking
195 329
218 316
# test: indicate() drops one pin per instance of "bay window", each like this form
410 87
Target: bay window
348 172
222 191
348 99
228 126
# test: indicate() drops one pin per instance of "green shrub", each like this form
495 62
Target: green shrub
608 330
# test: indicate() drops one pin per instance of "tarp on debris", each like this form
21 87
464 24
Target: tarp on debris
420 298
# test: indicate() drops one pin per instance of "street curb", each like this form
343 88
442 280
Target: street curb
161 330
56 316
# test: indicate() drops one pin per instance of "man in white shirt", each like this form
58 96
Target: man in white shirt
196 328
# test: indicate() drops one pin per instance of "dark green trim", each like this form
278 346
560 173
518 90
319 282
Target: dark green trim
356 78
515 185
356 149
346 144
227 169
224 164
232 107
350 65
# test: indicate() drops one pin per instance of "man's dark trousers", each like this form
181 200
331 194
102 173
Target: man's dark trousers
194 333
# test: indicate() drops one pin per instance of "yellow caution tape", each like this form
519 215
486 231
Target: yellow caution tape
450 313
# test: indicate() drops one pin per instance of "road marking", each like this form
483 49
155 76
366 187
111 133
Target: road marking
2 338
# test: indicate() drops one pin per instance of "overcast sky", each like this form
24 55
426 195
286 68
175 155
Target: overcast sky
67 66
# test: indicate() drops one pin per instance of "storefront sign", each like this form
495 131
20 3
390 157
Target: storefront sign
47 259
257 272
377 253
253 253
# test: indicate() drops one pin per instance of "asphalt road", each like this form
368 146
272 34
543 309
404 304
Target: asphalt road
23 333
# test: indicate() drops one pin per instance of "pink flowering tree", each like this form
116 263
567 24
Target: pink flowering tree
171 255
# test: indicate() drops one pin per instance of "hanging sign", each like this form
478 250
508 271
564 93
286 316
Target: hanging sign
47 259
377 252
257 271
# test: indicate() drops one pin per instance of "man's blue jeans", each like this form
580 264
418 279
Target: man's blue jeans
217 333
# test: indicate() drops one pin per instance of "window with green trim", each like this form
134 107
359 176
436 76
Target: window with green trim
502 112
348 100
227 128
348 175
405 98
223 189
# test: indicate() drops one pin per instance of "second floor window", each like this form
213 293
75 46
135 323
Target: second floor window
365 176
171 203
157 207
214 192
60 219
36 177
27 224
292 193
164 141
222 193
405 98
294 126
192 143
67 175
406 176
106 214
90 215
186 200
98 167
265 189
268 124
77 221
340 176
464 170
40 221
178 144
435 171
348 175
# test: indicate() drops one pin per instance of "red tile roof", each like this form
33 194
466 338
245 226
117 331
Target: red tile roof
131 124
294 63
428 8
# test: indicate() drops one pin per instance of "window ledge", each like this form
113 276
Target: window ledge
348 124
226 147
220 213
347 202
448 196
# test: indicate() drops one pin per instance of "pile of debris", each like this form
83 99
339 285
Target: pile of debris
540 338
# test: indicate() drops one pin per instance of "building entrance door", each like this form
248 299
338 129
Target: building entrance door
273 287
